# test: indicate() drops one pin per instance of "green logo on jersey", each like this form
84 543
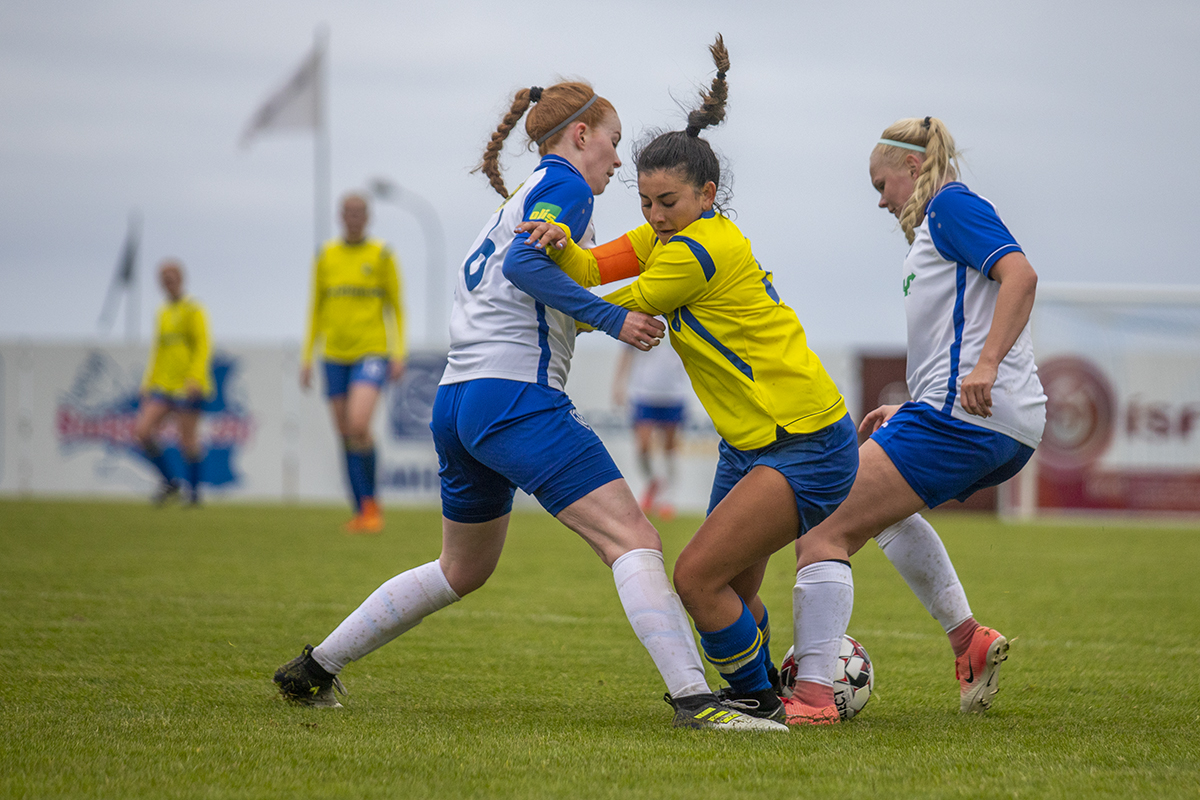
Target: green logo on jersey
908 282
545 211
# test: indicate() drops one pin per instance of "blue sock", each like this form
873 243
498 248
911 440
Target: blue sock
737 653
356 472
369 473
193 473
159 459
764 628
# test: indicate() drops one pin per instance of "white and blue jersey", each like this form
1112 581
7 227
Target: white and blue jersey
949 300
514 309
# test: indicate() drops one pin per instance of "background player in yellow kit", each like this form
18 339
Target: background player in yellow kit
176 382
355 311
788 451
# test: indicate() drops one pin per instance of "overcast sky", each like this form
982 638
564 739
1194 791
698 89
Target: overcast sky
1078 119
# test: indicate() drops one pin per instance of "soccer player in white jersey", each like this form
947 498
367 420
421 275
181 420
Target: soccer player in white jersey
655 385
977 413
502 420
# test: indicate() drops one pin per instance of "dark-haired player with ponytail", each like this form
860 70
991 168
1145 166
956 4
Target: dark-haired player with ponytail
788 449
501 420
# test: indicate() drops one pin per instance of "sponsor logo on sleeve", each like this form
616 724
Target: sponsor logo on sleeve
547 212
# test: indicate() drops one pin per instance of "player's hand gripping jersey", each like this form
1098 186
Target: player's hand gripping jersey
744 348
179 357
514 310
352 285
949 300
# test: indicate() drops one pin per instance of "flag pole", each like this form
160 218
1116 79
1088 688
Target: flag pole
322 172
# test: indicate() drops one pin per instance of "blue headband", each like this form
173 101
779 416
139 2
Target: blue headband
905 145
567 121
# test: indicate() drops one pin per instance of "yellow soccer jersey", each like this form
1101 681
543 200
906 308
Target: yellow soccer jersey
744 348
355 304
179 355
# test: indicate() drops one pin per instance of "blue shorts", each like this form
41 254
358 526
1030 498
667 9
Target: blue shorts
493 435
820 467
644 412
338 377
942 457
178 403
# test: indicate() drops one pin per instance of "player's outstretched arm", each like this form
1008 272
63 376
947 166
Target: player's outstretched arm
641 330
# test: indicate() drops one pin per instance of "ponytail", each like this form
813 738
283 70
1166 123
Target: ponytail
928 135
556 108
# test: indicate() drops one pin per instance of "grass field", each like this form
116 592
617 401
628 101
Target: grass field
137 646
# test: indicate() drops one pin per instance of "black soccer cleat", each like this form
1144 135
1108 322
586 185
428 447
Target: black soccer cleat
706 711
764 704
302 680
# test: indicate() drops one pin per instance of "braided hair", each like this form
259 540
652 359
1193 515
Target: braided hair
939 167
552 107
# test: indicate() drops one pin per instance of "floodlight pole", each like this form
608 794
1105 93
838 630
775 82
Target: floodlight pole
389 191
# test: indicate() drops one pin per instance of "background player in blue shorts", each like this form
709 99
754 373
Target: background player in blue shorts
355 311
788 450
977 412
176 383
501 420
654 383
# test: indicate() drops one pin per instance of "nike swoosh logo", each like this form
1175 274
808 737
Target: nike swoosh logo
970 671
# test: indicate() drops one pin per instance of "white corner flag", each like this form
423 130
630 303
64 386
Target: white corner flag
294 106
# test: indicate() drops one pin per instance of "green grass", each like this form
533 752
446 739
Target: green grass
137 645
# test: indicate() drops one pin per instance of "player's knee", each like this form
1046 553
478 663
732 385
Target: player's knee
466 578
692 581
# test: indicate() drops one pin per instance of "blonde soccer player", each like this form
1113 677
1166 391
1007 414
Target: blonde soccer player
176 383
502 419
356 314
976 416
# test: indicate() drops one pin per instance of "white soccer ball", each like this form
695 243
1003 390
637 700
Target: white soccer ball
853 681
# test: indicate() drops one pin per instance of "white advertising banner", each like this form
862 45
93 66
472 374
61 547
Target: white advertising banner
1121 369
67 414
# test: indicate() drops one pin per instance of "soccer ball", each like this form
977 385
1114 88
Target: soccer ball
852 684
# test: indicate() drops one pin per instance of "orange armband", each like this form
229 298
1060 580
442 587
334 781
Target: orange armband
617 260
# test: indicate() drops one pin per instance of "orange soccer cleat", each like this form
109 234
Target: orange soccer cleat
978 669
800 714
369 519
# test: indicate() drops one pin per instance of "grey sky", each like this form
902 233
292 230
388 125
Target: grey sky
1077 118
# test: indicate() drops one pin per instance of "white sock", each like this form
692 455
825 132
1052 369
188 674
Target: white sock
917 553
395 607
821 604
659 620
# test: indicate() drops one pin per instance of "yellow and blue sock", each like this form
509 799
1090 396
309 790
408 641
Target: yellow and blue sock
737 653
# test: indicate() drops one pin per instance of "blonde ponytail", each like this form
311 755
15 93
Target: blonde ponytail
940 165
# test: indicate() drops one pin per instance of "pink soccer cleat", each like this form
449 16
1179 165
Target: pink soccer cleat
978 669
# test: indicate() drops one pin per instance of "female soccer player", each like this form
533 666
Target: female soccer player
654 384
501 420
176 382
789 451
977 414
355 309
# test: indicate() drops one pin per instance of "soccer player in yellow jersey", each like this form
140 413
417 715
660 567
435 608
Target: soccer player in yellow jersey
788 453
356 312
176 382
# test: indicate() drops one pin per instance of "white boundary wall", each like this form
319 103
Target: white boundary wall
67 411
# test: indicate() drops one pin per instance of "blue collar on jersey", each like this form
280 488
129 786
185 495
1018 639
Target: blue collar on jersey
551 158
